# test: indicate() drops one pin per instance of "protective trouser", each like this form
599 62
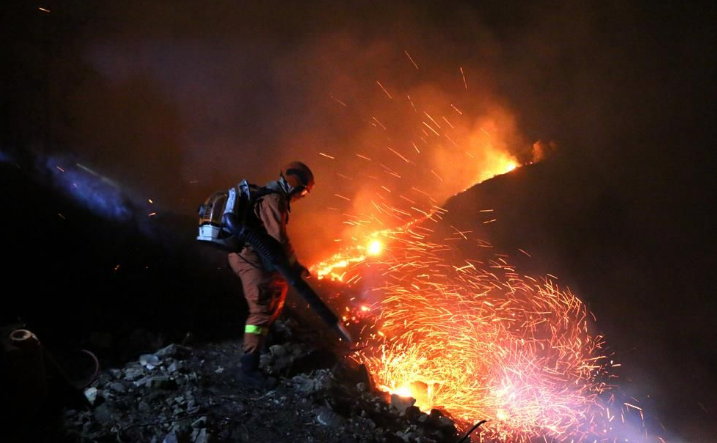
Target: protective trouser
265 293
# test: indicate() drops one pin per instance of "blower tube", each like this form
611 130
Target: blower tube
271 251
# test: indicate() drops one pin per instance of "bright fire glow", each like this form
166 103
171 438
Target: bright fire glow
468 335
482 342
490 347
375 247
403 391
475 338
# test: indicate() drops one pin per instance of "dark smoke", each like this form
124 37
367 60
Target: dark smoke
172 100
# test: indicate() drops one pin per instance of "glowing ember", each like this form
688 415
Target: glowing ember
485 345
468 335
481 342
403 391
375 248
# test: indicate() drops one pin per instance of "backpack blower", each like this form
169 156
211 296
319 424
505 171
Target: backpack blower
225 220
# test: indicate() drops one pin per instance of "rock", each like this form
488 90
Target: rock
200 436
182 431
296 349
405 436
277 351
154 397
401 403
149 361
102 413
103 379
117 387
368 423
444 424
174 351
121 404
437 418
282 330
365 377
314 360
201 422
328 404
411 412
133 373
176 366
171 438
307 385
107 395
87 427
91 395
161 382
327 417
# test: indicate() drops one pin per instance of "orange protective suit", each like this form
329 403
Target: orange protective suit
265 290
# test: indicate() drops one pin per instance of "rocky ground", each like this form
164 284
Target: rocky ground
190 393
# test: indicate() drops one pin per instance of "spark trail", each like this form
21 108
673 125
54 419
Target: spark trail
466 334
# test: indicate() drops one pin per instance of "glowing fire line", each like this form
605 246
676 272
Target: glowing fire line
469 336
477 339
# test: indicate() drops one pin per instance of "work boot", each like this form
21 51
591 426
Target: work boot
251 376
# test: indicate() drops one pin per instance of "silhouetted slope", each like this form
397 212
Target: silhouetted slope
641 260
78 273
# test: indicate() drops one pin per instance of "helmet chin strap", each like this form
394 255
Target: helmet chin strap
285 186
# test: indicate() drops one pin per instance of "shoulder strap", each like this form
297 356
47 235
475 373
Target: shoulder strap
257 192
260 191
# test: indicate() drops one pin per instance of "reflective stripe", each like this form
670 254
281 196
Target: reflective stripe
258 330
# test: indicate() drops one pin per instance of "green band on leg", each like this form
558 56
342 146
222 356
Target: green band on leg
258 330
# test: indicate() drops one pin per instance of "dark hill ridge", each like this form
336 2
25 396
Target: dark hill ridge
640 259
79 273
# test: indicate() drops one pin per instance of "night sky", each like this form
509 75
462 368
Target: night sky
162 103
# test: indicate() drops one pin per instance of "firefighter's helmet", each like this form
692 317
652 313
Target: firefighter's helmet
299 177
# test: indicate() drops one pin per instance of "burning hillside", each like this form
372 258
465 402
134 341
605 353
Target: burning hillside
475 337
398 109
441 317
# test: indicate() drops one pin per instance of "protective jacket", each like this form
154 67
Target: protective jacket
264 288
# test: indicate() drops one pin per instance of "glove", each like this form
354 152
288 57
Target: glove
301 270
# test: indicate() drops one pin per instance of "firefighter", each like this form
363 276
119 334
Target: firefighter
264 288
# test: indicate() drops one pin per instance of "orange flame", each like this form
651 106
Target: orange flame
482 342
472 337
475 338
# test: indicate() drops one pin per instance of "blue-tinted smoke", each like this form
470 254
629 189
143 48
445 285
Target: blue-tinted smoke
106 198
90 189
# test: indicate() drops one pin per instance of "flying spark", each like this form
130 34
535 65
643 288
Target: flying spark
384 90
411 59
